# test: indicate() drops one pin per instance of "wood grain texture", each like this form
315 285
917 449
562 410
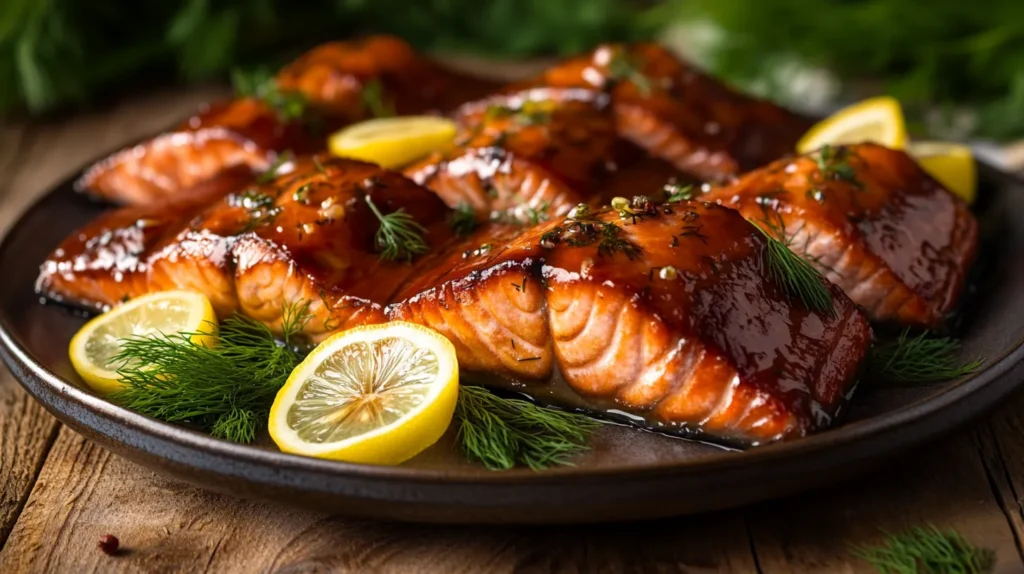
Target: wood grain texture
85 492
944 484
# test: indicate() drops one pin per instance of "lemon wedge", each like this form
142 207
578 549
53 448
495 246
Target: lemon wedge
168 312
878 120
393 142
950 163
377 394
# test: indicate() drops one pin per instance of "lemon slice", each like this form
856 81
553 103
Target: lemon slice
167 312
878 120
949 163
378 394
393 142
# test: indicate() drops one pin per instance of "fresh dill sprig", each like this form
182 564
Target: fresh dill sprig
399 235
503 433
624 67
834 163
674 193
794 274
921 359
462 220
271 173
261 85
926 550
226 389
373 99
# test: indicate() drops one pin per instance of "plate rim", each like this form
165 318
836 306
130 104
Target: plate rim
898 423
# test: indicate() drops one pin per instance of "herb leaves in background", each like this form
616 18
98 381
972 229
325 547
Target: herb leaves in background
943 53
59 52
927 551
226 389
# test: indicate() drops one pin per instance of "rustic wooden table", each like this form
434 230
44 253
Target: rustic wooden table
59 493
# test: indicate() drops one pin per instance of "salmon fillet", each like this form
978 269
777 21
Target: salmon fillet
677 113
527 156
875 223
584 313
332 80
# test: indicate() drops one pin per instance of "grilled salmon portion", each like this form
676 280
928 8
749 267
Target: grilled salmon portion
678 113
878 226
527 156
305 239
666 314
331 86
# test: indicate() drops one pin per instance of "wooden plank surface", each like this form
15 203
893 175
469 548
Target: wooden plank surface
59 493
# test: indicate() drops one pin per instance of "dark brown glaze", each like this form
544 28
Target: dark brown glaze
892 237
574 313
334 75
680 114
248 132
529 155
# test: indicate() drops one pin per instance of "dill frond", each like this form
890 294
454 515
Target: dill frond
261 85
462 220
921 359
795 275
926 550
372 97
227 389
399 235
674 193
502 433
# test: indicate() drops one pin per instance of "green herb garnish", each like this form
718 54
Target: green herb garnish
399 235
462 220
625 67
927 551
271 173
797 277
261 85
674 193
372 97
834 163
921 359
226 389
502 433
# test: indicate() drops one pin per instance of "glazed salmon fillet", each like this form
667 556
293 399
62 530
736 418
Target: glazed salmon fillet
667 316
527 156
677 113
305 238
325 89
878 226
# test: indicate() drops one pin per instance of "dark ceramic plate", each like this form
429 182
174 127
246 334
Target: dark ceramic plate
630 474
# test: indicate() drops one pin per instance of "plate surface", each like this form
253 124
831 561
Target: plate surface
630 474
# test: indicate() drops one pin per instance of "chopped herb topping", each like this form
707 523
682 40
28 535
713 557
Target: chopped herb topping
674 193
301 194
271 173
319 166
833 163
261 85
462 220
523 214
399 235
636 209
483 249
373 99
624 67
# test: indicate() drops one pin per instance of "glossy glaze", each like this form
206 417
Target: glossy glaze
892 237
542 149
332 78
678 113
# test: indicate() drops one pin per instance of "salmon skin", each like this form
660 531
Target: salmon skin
333 81
528 156
663 313
677 113
667 316
875 223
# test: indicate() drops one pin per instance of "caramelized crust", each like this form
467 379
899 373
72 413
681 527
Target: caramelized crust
678 113
893 238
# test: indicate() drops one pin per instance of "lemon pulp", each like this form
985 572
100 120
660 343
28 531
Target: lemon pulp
99 340
950 164
378 394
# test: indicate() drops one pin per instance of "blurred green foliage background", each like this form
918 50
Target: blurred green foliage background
938 56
